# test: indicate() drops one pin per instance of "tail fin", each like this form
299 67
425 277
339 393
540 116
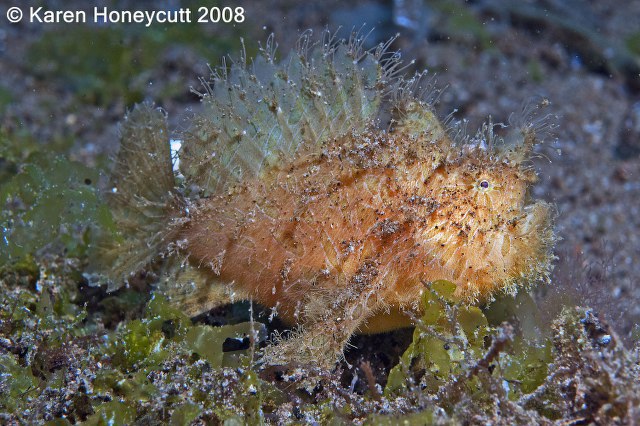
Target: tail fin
144 203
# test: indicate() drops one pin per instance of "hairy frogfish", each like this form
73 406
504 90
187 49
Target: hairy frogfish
324 187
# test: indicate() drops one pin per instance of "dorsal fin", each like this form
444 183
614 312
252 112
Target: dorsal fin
254 117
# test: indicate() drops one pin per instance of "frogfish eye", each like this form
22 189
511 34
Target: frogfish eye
484 184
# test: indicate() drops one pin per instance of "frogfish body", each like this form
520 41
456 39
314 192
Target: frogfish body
292 191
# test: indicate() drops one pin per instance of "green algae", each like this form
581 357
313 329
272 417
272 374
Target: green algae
146 343
462 353
459 21
184 414
414 419
113 63
463 363
633 43
50 201
112 413
137 343
142 346
100 70
15 381
447 340
6 98
207 341
15 148
36 322
122 360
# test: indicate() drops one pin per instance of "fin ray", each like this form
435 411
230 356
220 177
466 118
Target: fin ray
193 291
255 116
142 197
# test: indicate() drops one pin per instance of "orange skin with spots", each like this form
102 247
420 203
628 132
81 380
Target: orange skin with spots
291 195
361 227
